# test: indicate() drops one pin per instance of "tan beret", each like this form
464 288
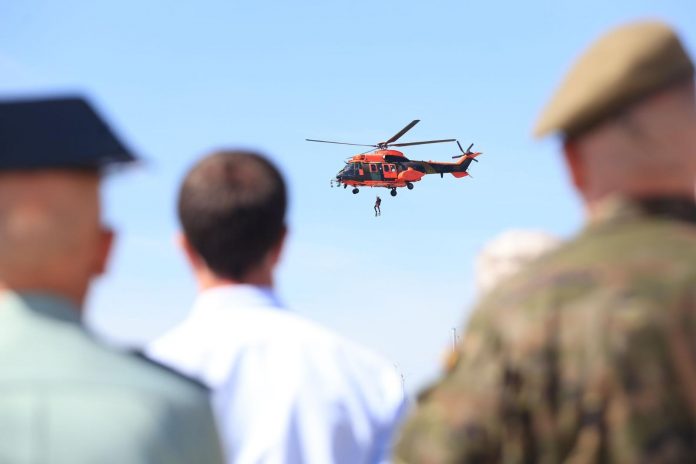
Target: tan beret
628 63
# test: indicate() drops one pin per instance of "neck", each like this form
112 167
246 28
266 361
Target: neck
74 295
663 204
207 280
640 192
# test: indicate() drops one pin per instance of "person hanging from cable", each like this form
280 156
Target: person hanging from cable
378 202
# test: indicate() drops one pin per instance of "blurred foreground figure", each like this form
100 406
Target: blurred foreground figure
589 355
285 389
501 258
507 254
64 398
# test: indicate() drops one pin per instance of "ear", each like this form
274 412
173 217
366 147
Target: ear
193 259
575 165
277 250
104 246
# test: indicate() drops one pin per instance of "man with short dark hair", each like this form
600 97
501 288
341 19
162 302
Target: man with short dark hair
232 211
285 390
590 354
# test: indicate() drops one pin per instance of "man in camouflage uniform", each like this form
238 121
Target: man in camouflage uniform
589 355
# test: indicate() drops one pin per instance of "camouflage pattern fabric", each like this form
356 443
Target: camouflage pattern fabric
588 355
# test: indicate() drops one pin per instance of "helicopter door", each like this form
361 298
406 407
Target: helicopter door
389 171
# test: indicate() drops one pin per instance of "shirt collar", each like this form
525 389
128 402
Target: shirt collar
238 295
618 208
44 304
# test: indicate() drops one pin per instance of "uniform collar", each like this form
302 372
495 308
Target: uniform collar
617 208
238 295
44 304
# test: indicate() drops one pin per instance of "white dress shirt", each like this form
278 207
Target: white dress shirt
285 390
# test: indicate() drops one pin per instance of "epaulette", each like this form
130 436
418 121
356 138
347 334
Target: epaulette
163 367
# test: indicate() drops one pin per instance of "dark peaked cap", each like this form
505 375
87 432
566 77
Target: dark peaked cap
625 65
57 133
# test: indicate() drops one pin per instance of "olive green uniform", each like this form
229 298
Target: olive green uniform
589 355
66 399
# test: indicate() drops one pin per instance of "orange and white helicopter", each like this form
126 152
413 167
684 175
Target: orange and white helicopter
381 167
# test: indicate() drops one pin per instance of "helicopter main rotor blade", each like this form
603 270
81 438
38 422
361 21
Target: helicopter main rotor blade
399 134
408 144
342 143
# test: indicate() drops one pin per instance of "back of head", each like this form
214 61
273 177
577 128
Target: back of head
49 230
232 210
53 152
649 150
627 111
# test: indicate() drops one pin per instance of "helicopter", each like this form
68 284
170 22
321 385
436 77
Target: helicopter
381 166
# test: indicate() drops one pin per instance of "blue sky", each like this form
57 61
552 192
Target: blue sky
178 79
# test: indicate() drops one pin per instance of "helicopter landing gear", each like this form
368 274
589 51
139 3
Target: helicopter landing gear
393 192
355 190
409 185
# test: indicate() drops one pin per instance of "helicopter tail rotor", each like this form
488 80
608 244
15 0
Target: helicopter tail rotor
467 153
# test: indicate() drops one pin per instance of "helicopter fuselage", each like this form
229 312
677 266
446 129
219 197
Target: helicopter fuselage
391 169
382 167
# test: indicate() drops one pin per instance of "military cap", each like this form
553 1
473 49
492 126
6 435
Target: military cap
57 133
628 63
